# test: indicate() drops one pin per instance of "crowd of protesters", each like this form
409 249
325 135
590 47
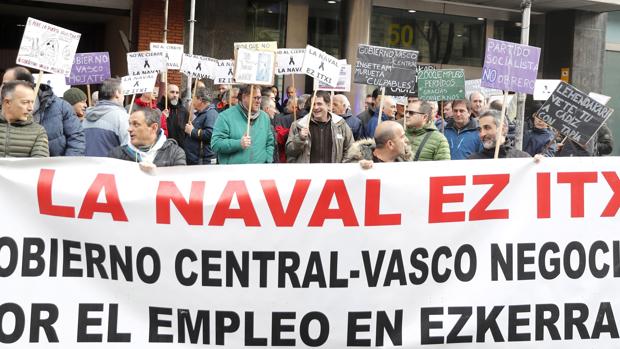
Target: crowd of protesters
213 128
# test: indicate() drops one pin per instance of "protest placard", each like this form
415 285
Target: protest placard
254 67
89 68
573 113
474 85
224 73
344 80
289 61
57 82
145 62
47 47
135 84
172 52
321 66
510 67
198 67
392 68
484 254
441 84
544 88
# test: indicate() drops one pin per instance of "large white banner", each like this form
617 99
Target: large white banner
486 254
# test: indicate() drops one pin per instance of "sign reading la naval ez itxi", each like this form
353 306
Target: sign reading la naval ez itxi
386 67
573 113
321 66
510 67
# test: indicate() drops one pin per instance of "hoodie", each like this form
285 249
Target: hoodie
105 127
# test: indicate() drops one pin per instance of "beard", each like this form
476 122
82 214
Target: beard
173 102
489 142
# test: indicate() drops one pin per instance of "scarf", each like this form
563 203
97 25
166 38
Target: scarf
148 153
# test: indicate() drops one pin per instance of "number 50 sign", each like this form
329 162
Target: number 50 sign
400 35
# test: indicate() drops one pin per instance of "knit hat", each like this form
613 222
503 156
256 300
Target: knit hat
74 95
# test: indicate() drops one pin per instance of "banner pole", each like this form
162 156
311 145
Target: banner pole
443 120
379 117
191 108
501 126
295 98
230 97
331 102
311 108
166 90
90 102
133 98
250 109
36 87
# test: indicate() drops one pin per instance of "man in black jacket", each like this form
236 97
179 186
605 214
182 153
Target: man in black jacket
488 127
177 114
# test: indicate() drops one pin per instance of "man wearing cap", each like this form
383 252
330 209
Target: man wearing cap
77 99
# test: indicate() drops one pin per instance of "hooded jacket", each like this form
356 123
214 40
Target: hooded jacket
298 150
363 150
63 128
355 124
198 143
436 146
22 139
105 127
463 142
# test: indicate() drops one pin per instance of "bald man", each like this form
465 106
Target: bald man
389 145
389 113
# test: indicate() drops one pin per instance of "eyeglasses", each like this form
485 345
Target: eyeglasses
413 112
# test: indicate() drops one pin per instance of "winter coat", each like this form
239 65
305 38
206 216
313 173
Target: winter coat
198 143
175 123
363 150
539 141
505 152
231 126
600 144
463 142
170 154
282 125
105 127
298 150
63 128
22 139
369 131
436 146
355 124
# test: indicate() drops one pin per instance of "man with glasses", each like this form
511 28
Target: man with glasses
427 143
462 131
230 140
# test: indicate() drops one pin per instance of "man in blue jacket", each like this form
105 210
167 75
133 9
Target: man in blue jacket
462 131
198 132
63 128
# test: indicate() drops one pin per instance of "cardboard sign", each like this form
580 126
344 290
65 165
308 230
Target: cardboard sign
198 67
89 68
321 66
47 47
441 84
344 80
134 84
270 46
172 52
57 82
255 67
474 85
386 67
145 62
544 88
224 72
573 113
289 61
510 67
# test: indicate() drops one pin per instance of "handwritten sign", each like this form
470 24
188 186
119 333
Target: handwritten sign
254 67
47 47
89 68
510 67
321 66
224 72
172 52
391 68
573 113
145 62
344 80
441 84
289 61
198 67
134 84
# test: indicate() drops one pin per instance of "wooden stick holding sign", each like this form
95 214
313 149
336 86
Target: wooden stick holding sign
311 108
90 102
294 98
38 85
331 102
380 107
247 133
230 96
191 114
133 98
443 120
498 135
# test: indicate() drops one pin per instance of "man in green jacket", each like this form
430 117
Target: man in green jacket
427 143
19 135
230 140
